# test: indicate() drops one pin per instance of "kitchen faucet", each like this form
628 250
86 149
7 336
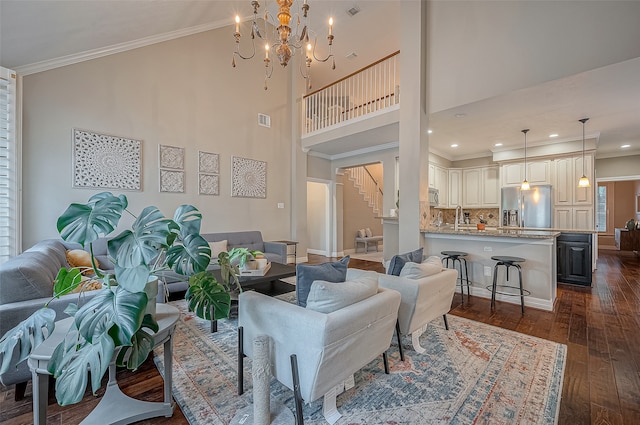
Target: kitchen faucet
458 218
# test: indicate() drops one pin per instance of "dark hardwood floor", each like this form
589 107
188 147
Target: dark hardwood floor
600 326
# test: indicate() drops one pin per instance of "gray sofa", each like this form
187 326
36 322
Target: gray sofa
26 284
251 239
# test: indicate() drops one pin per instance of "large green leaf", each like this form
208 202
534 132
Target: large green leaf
203 293
66 281
189 219
70 364
192 256
114 310
240 255
18 343
134 250
133 279
133 356
84 223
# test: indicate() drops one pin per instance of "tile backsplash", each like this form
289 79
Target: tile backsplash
490 215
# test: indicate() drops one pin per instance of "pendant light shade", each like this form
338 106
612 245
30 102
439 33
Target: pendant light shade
525 183
584 180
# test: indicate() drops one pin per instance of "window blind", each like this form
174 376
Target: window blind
9 201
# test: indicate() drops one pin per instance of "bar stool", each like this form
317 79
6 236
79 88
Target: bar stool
507 261
458 256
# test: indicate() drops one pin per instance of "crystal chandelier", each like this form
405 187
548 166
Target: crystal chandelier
285 42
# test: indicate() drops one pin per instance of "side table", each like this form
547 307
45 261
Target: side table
295 250
115 407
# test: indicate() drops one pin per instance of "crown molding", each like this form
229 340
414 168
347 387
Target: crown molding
116 48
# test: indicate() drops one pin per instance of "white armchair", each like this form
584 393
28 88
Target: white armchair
423 300
313 352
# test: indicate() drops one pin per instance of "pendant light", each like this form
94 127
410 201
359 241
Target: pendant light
584 180
525 183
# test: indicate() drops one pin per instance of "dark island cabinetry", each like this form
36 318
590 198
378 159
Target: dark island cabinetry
574 258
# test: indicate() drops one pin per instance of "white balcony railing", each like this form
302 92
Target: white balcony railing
368 90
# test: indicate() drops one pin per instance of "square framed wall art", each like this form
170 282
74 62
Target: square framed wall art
171 157
101 161
209 184
171 181
248 178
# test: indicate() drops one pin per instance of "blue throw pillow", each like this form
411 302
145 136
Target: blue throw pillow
398 261
307 273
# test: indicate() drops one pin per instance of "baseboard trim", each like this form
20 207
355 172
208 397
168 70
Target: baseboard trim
529 301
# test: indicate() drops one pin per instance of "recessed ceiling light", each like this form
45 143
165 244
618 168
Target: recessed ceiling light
429 131
455 145
625 146
460 115
498 144
553 135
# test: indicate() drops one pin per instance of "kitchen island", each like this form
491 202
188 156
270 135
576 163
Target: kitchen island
538 247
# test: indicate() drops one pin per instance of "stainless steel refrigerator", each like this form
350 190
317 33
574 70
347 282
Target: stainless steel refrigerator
527 208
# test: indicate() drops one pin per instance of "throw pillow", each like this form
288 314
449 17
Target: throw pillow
362 233
368 232
433 259
326 297
306 274
87 284
419 270
81 259
217 248
398 261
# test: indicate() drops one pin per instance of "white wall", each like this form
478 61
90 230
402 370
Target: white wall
513 39
182 92
317 217
624 166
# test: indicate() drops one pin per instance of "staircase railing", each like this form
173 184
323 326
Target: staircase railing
370 89
367 186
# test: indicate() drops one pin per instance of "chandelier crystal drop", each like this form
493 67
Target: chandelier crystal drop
584 180
285 42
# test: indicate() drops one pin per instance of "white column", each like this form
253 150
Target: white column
414 144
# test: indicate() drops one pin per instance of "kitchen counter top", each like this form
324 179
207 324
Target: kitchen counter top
495 232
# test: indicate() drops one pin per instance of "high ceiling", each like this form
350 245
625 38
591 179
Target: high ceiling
35 31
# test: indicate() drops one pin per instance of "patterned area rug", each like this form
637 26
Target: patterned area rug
471 374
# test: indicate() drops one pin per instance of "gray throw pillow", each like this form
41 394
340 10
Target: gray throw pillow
307 273
398 261
327 297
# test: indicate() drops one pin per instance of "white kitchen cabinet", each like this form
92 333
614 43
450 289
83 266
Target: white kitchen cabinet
563 184
472 188
481 187
512 174
455 188
563 218
583 218
491 187
573 218
583 195
567 173
442 184
432 176
539 172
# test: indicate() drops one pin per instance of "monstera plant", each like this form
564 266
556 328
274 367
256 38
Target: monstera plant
114 320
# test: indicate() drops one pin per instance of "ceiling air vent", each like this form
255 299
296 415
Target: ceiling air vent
352 11
264 120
